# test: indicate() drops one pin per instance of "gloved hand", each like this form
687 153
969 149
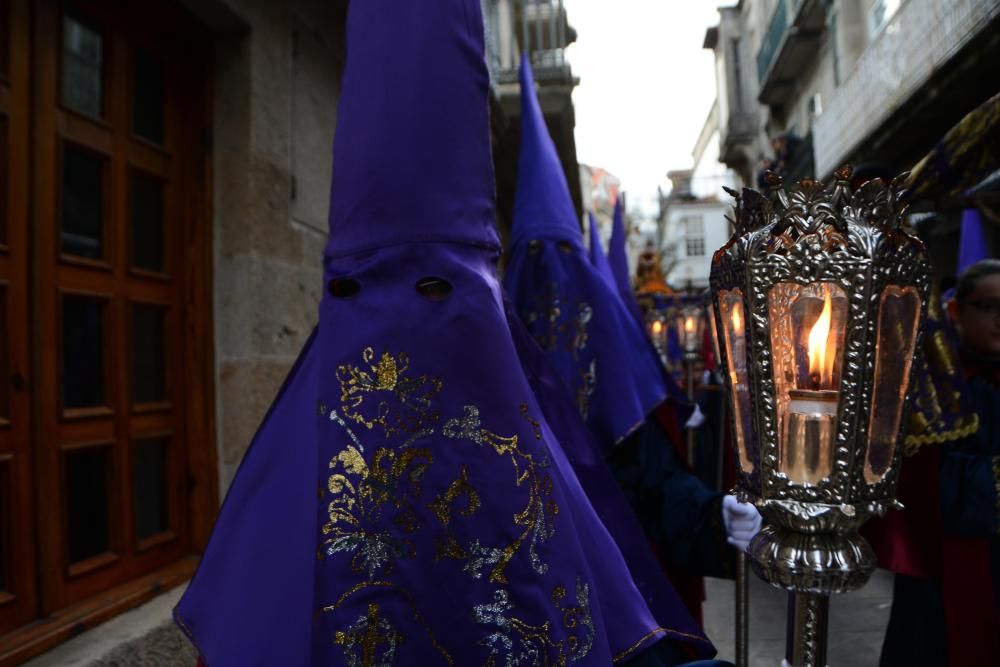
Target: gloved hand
742 522
696 419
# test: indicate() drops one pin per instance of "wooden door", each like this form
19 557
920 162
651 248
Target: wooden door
118 151
18 598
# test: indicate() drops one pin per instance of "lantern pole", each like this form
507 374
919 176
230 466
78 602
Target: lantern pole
811 613
690 357
742 610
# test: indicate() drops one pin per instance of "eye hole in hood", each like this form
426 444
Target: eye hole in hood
433 288
343 288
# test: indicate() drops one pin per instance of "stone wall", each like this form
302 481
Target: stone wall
277 74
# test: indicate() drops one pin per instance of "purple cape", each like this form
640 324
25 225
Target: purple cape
405 502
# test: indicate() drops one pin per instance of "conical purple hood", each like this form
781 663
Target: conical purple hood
972 245
617 256
412 157
618 261
543 207
597 257
405 501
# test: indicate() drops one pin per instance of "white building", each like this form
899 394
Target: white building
693 216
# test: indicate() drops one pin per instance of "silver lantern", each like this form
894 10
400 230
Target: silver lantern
819 300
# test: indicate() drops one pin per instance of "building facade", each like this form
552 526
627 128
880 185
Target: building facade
164 187
848 80
600 190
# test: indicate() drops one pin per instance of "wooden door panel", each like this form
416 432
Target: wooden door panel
18 595
113 158
106 421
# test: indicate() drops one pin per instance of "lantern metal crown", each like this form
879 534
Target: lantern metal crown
819 298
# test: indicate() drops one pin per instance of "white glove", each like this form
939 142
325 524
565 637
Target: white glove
742 522
696 419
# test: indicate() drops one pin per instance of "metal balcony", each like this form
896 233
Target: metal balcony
736 139
790 42
538 27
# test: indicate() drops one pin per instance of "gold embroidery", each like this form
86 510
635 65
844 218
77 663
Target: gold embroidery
409 413
639 644
442 506
389 586
375 507
545 321
547 314
368 633
965 427
536 425
588 382
362 494
535 517
583 317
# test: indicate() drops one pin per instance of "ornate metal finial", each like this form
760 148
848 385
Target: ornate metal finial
844 173
812 207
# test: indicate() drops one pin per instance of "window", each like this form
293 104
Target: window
115 420
695 247
694 235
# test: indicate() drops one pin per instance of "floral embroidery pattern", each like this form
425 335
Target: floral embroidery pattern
375 504
360 494
407 406
537 518
554 329
514 642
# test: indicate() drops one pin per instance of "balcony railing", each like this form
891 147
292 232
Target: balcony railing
790 42
538 27
776 29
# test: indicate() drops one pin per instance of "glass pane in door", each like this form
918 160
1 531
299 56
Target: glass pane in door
87 502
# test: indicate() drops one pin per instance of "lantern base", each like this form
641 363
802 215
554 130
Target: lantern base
821 563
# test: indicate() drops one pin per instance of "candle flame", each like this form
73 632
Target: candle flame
821 368
657 327
737 318
689 324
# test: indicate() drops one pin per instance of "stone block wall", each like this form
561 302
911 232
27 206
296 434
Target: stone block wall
276 86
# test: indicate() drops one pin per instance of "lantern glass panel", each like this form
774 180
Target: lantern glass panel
808 324
734 337
690 322
714 331
898 319
657 330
